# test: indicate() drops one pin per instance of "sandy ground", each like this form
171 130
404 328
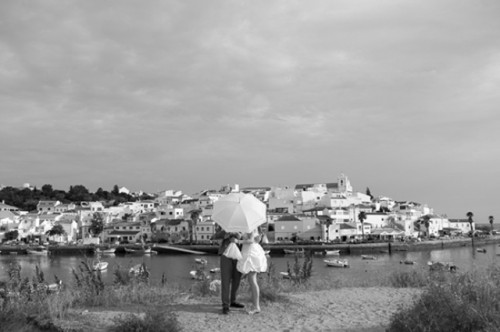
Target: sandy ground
346 309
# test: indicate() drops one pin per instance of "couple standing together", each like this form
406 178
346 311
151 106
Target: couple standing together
253 260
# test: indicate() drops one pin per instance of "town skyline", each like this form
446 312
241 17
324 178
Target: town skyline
401 96
225 187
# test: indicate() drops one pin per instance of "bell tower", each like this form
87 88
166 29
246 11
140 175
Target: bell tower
344 184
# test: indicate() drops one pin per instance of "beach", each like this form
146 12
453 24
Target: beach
344 309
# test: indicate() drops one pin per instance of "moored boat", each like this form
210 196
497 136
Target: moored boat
336 262
368 257
294 252
100 266
40 252
150 251
202 261
198 275
332 252
442 266
108 251
131 251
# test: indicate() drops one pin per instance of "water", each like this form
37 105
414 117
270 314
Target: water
176 268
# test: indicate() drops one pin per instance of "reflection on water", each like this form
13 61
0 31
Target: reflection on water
176 268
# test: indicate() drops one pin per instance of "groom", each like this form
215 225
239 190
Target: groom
229 275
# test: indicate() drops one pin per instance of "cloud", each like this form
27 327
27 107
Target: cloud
290 87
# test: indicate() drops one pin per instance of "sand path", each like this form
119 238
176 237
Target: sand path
346 309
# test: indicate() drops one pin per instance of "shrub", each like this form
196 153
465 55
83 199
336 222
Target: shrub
89 285
271 286
153 321
300 272
466 302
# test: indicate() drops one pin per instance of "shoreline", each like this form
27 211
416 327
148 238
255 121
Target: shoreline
276 248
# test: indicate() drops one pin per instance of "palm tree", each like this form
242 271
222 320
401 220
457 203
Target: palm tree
469 218
427 223
491 219
192 224
362 218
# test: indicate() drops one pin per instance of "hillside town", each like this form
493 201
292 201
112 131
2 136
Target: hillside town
316 212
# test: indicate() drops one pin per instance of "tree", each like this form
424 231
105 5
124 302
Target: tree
47 190
56 230
368 192
427 222
192 224
96 224
127 217
78 193
471 222
11 235
362 218
491 219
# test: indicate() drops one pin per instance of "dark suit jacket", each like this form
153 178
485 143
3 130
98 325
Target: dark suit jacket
226 239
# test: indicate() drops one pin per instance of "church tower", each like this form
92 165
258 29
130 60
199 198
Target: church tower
344 184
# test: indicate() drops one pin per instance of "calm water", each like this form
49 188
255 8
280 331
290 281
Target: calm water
176 268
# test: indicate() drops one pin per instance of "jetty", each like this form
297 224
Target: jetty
168 248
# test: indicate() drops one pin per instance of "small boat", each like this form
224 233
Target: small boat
54 287
407 262
336 262
442 266
150 251
285 275
108 251
215 270
368 257
136 269
198 275
294 252
481 250
49 288
40 252
131 251
100 266
202 261
332 252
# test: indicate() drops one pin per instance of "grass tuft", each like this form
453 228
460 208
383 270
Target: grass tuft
153 321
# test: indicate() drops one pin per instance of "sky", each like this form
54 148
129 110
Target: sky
401 96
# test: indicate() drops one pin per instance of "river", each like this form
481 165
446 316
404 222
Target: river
176 268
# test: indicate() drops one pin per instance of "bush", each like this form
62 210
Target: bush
271 286
467 302
153 321
89 285
300 272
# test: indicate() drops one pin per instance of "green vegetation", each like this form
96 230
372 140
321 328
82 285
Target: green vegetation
449 301
454 302
153 321
27 199
300 272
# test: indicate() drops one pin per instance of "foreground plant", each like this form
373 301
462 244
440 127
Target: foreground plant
465 302
153 321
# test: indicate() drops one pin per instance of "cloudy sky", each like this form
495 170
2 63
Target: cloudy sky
401 96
